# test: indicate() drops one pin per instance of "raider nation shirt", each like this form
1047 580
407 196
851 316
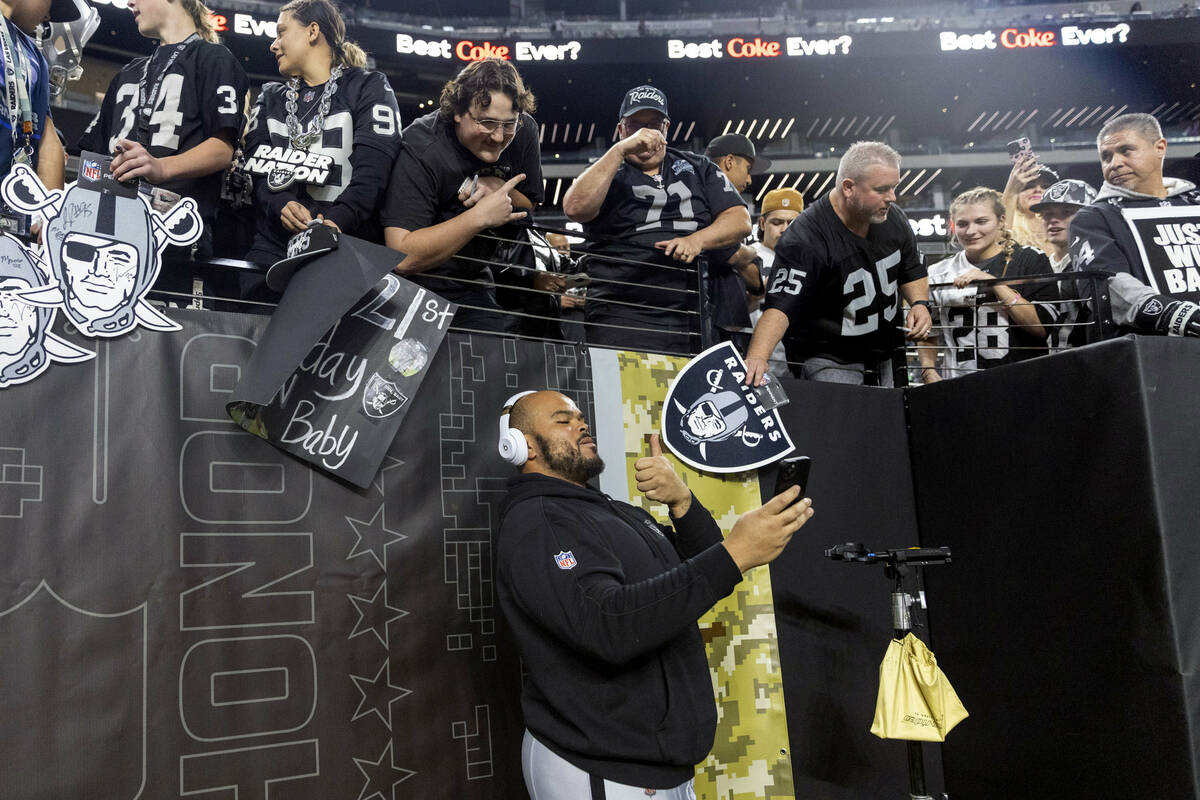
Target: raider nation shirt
202 92
841 291
361 134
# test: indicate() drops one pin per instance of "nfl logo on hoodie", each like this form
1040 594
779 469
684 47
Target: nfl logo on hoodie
565 559
714 422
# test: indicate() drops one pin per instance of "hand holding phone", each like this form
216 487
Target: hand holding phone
793 472
1019 149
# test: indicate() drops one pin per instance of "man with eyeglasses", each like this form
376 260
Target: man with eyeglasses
652 212
472 165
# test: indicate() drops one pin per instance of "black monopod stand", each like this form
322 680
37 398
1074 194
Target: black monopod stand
896 565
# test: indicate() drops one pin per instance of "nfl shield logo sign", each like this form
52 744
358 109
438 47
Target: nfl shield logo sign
91 170
565 559
714 422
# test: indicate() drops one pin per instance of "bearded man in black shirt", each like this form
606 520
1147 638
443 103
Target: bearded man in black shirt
840 271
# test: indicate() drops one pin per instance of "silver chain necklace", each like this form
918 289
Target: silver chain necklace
301 139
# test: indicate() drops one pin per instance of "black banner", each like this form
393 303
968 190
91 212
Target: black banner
249 36
333 390
1168 240
186 610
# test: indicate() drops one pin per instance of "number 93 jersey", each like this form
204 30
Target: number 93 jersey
202 94
360 139
840 291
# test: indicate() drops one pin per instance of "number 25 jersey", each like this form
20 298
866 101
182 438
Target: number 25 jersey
840 291
202 94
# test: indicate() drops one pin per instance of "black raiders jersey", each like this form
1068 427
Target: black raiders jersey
687 194
350 159
841 291
202 94
975 331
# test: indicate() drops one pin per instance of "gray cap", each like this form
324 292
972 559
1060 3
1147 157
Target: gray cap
1067 192
738 145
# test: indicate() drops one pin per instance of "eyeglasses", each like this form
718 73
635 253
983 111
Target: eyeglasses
633 126
492 125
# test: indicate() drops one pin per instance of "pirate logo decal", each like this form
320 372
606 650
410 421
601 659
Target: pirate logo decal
27 345
104 243
382 398
714 422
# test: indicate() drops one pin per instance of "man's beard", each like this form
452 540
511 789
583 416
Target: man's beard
571 465
873 216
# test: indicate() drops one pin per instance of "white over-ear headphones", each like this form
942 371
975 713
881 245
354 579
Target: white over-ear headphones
513 448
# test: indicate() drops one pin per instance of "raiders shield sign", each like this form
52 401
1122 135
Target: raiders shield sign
714 422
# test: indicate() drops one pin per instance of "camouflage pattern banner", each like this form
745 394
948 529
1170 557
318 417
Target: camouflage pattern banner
751 755
187 611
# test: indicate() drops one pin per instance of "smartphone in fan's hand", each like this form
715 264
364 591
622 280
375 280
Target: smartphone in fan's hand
1020 148
793 472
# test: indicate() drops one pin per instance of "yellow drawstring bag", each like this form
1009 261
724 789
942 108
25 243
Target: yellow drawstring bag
916 701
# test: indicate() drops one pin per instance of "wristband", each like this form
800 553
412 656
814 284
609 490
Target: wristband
1012 301
915 303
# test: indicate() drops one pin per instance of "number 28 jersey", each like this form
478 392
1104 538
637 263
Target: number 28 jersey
202 94
841 291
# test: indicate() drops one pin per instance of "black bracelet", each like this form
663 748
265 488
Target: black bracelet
925 303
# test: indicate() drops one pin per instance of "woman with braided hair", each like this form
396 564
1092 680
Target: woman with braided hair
171 119
985 326
337 121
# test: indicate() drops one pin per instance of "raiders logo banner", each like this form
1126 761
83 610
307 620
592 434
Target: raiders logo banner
1168 240
100 254
346 351
714 422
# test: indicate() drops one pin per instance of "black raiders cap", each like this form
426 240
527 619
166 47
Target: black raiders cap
1068 192
315 240
641 97
736 144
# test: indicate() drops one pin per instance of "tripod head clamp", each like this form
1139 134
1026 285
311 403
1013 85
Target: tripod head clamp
895 561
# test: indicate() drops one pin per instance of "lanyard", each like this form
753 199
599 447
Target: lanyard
147 104
17 96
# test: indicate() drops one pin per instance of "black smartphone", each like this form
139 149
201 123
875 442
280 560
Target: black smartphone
793 472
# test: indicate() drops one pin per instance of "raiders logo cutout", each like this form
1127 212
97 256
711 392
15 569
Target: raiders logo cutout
27 345
712 421
103 242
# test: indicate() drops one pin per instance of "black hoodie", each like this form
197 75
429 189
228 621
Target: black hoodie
603 602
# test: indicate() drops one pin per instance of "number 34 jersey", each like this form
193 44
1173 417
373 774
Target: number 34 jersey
202 94
840 291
